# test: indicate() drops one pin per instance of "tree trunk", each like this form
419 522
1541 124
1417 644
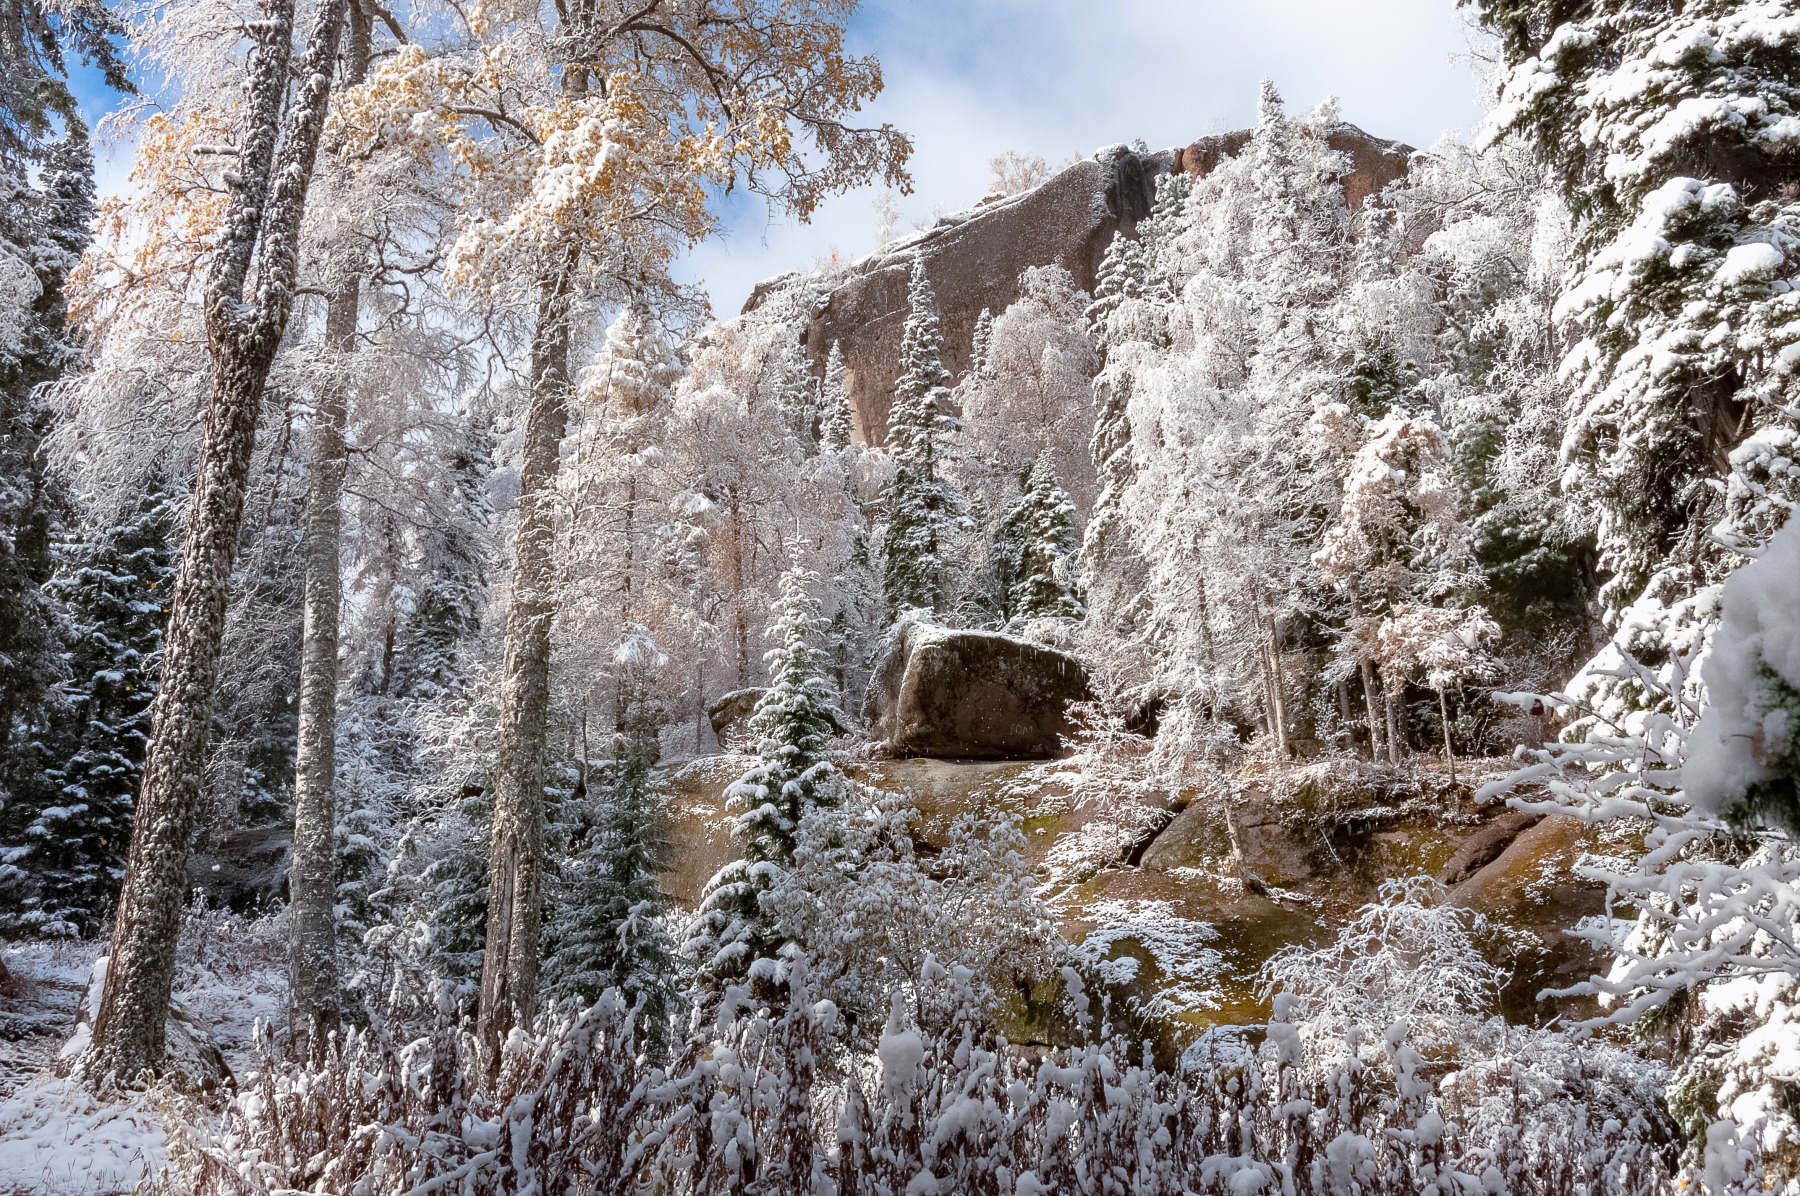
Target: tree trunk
313 1011
1393 722
1368 684
1449 752
261 228
1277 687
509 966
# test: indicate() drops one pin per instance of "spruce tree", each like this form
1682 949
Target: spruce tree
734 936
924 511
69 846
446 614
834 404
797 397
1035 550
612 931
454 894
1124 274
1158 231
43 231
982 344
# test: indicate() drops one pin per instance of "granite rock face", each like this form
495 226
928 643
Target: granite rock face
971 695
974 258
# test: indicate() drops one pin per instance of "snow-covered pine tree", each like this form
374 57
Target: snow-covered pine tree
1035 551
982 344
71 847
834 404
43 230
453 562
733 935
1158 232
1124 274
924 512
611 932
453 897
797 397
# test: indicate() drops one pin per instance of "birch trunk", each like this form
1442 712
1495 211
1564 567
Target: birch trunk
509 965
261 227
313 1011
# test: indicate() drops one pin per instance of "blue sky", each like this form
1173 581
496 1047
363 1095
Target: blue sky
969 79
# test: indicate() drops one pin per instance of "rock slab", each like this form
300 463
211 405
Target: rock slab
951 694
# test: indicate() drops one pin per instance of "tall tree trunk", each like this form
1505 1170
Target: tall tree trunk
1368 686
261 228
1278 687
312 872
1395 743
509 966
1449 752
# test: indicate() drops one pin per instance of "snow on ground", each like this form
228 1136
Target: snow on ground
58 1140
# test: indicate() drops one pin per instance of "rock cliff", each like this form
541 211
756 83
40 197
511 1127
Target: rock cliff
974 258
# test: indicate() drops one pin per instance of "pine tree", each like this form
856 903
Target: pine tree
446 614
733 935
43 230
454 895
924 511
1035 550
612 933
70 846
1158 232
797 397
1124 274
982 345
834 404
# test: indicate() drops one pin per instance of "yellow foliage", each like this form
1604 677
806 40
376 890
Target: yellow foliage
155 240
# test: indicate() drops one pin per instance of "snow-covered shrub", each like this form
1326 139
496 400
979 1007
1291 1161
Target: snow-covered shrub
870 905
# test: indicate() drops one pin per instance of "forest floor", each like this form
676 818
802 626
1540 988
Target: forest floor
56 1139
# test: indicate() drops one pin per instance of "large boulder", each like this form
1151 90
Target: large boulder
971 695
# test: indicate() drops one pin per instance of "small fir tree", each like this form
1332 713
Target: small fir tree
446 614
612 932
982 345
1035 550
834 404
453 892
734 935
1158 232
924 511
1124 274
797 397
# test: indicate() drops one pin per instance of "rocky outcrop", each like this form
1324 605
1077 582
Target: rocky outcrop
971 694
974 258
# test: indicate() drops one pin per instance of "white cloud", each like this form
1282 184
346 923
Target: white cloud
970 79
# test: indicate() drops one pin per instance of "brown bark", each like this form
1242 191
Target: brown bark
509 966
1368 688
313 999
261 228
1449 752
1395 743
